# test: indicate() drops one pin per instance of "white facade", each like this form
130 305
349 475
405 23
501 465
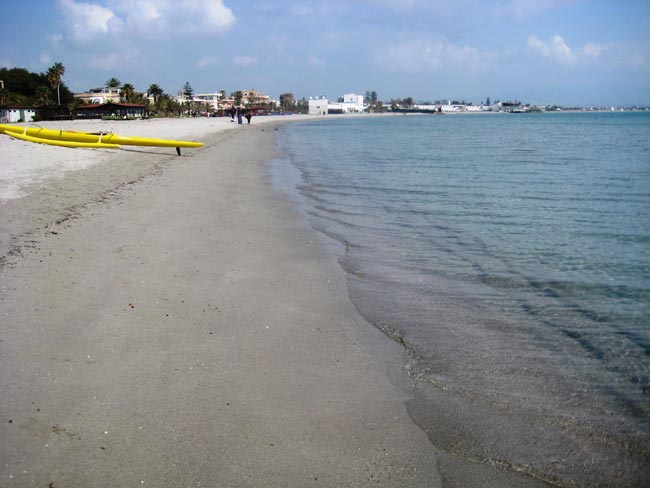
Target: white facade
449 107
432 108
100 95
353 103
477 108
347 103
353 99
318 106
17 114
210 98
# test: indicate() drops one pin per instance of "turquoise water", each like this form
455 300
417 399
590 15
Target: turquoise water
511 254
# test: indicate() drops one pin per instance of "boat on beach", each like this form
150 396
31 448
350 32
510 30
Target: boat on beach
104 140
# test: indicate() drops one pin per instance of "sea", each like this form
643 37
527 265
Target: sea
510 255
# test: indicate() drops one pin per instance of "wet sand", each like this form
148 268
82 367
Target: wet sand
171 321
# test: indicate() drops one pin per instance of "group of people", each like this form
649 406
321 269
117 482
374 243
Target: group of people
238 112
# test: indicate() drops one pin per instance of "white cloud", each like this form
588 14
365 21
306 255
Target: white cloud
144 18
87 20
540 46
426 54
244 61
592 50
202 15
612 55
558 50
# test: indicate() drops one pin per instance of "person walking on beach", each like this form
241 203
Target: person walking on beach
248 117
239 120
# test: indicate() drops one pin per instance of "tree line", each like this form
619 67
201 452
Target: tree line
49 91
22 87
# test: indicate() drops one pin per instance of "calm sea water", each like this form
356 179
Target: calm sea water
511 255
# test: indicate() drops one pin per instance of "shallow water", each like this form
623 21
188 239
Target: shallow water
511 255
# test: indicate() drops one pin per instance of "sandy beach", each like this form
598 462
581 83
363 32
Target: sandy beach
171 321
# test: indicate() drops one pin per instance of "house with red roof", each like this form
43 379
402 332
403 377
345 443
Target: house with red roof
116 111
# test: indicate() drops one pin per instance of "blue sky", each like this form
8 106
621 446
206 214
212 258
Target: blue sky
582 52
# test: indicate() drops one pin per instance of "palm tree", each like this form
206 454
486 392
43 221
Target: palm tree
113 83
127 92
154 91
54 75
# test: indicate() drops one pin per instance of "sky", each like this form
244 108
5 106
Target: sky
566 52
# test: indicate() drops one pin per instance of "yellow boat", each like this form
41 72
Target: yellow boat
54 142
106 139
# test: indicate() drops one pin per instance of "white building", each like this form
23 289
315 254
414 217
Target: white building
429 107
318 106
16 113
477 108
452 108
348 103
353 103
100 95
211 99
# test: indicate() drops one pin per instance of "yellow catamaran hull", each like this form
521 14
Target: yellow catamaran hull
104 140
54 142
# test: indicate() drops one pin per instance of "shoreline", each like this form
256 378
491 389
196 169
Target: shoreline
186 326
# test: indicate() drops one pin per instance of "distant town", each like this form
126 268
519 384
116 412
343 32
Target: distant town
26 96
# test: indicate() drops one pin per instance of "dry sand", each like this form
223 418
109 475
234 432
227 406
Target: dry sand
171 321
41 184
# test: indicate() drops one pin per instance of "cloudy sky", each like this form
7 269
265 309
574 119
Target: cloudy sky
582 52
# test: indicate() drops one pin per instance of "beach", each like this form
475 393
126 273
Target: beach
190 321
171 321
